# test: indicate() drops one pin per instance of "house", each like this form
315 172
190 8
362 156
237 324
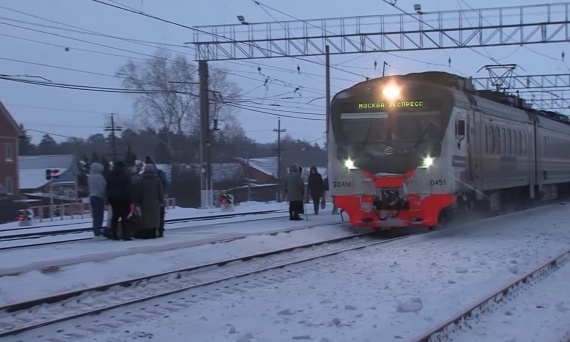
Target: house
32 174
10 134
259 170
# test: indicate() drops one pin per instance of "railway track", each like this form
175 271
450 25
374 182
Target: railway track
451 328
20 317
42 234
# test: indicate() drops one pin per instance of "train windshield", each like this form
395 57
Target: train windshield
393 126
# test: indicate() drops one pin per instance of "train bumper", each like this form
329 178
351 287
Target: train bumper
423 211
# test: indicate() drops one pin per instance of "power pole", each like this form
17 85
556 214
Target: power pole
113 129
248 180
205 165
279 130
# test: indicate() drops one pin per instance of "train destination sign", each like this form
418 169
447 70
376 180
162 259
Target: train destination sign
396 104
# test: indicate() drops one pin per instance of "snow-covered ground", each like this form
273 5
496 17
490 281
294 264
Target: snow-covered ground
540 313
383 293
170 228
80 265
174 213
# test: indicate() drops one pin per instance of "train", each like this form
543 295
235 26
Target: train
412 150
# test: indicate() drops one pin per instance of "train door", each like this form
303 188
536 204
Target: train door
476 143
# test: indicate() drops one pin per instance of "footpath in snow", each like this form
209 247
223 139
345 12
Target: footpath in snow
383 293
78 265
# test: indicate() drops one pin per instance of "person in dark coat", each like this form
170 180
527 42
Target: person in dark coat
164 180
119 197
149 197
295 190
315 188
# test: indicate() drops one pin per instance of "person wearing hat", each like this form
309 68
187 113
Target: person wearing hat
164 181
149 197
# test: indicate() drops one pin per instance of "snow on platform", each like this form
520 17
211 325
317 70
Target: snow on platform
77 265
384 293
171 214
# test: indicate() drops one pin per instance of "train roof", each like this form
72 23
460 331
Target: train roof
465 84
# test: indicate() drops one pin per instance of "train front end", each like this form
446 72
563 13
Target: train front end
388 154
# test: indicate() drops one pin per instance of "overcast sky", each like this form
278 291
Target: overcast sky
80 113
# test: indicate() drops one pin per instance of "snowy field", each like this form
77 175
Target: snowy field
80 265
174 213
383 293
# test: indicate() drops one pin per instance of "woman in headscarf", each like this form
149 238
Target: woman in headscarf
294 189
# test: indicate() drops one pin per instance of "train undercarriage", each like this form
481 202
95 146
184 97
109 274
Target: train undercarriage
390 208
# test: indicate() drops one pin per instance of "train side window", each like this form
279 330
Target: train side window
503 141
516 147
490 139
486 139
508 142
523 144
496 140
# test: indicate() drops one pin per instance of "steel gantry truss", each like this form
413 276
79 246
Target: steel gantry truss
546 23
527 82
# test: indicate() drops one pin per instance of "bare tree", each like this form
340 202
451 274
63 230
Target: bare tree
170 98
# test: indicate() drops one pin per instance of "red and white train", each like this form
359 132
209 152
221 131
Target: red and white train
409 150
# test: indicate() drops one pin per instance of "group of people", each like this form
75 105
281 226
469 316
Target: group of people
296 194
137 200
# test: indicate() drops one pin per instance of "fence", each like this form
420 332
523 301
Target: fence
69 211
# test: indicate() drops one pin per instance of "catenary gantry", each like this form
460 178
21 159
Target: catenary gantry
535 24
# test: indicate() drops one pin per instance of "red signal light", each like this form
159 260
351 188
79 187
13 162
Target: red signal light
223 201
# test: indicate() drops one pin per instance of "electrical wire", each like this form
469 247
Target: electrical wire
196 29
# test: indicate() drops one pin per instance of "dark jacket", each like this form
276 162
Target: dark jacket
315 185
149 196
294 185
119 184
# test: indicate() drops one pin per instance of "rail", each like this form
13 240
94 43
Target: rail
168 283
444 330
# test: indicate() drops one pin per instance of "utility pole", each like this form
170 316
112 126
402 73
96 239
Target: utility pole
205 165
248 180
279 130
327 91
113 129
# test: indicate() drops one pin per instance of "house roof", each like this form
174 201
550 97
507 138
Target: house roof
267 165
4 110
220 171
32 169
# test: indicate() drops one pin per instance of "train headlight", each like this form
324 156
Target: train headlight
391 92
428 161
349 164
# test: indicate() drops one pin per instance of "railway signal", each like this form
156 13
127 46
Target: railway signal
52 174
227 202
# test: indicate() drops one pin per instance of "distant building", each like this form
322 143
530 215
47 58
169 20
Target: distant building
32 173
10 134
